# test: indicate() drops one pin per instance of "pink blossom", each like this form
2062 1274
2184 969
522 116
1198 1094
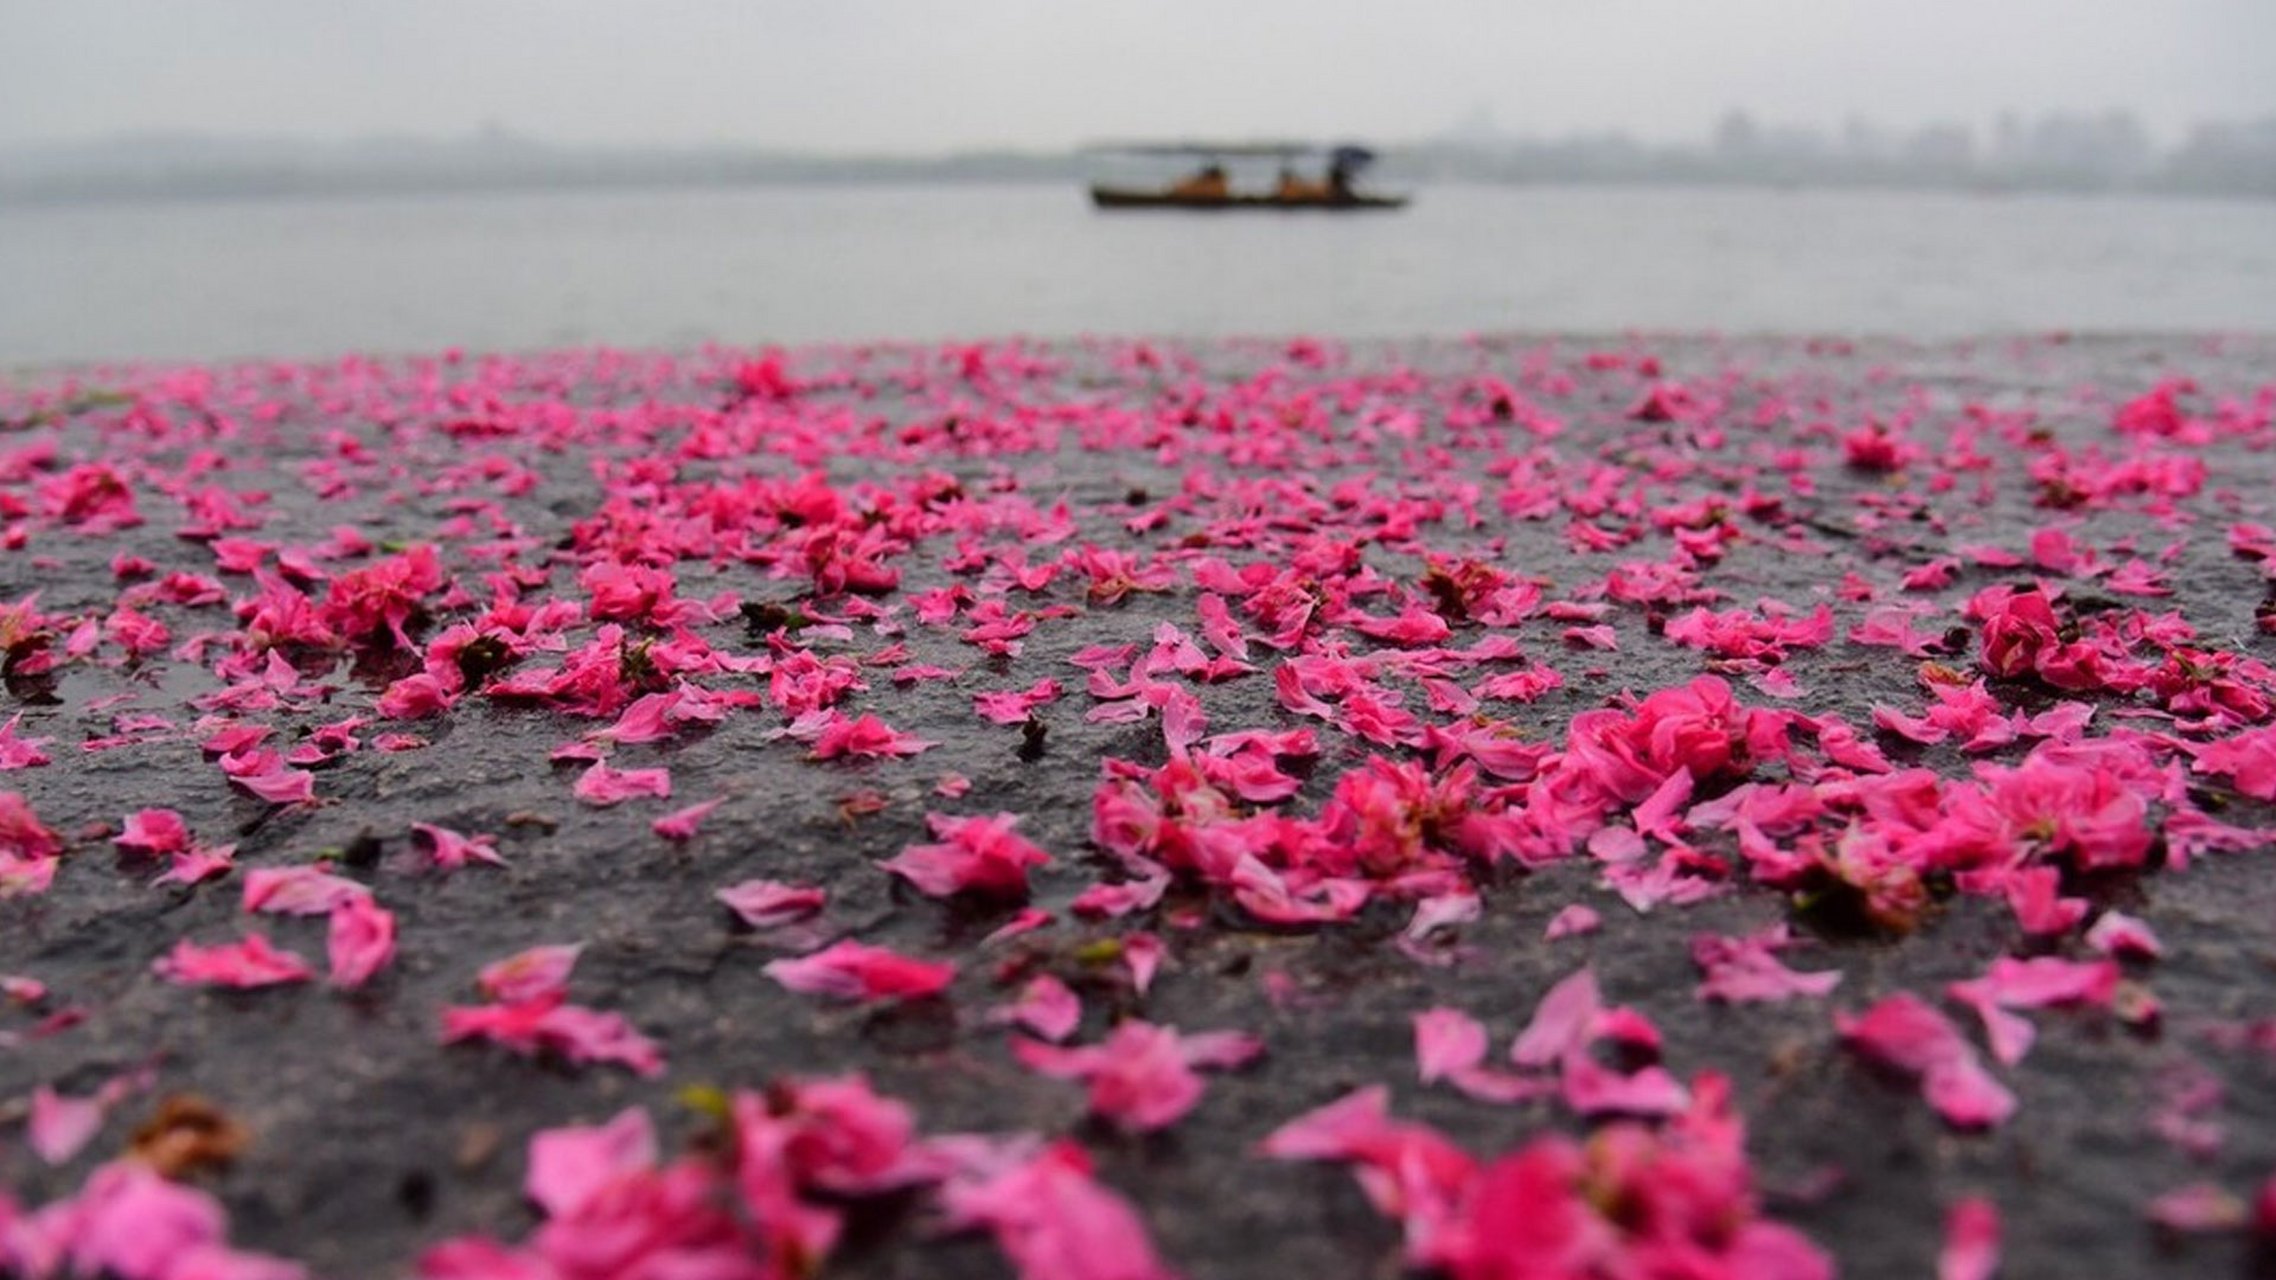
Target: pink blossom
976 855
382 597
850 970
153 833
1698 727
248 963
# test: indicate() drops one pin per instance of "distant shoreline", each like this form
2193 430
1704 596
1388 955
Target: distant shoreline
159 168
353 187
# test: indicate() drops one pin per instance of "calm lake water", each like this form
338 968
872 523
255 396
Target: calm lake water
317 276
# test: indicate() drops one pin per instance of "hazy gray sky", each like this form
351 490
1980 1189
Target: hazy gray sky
909 75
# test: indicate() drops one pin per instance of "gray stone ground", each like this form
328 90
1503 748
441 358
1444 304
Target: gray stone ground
371 1141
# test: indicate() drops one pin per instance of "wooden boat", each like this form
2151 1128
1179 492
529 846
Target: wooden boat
1108 197
1210 190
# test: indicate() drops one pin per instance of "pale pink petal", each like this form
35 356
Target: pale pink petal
1966 1095
681 824
360 941
1046 1006
1592 1089
2121 935
449 850
603 786
299 891
61 1127
1571 922
767 904
570 1165
1565 1019
1142 955
1744 969
131 1222
1447 1041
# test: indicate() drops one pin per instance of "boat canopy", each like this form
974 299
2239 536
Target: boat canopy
1343 153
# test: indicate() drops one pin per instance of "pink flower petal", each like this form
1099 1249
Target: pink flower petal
681 824
538 974
1565 1020
850 970
768 904
603 786
299 891
249 963
61 1127
1971 1241
569 1167
359 942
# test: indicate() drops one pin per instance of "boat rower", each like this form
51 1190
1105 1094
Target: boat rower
1209 184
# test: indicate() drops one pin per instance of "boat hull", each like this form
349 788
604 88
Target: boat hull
1131 198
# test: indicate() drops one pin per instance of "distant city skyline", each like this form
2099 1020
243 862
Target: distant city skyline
913 77
2109 151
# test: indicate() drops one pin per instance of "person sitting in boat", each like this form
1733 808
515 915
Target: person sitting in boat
1209 184
1294 189
1339 179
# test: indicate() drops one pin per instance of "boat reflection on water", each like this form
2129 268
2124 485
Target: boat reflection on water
1209 187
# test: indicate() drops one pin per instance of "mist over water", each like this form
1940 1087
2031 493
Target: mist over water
313 277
